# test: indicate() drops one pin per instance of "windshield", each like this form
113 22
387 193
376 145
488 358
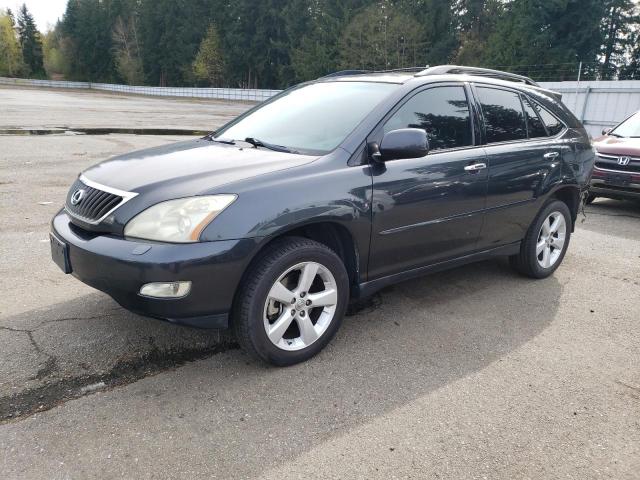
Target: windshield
313 118
629 128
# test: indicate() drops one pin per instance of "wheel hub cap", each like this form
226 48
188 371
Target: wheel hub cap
551 240
300 306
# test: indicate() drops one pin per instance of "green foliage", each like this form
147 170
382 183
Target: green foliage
381 38
618 34
530 33
208 67
11 63
55 63
126 50
276 43
31 43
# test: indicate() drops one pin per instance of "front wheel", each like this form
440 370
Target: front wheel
546 242
292 303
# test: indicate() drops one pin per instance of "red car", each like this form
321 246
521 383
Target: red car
617 169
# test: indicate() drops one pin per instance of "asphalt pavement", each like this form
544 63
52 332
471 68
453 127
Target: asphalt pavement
471 373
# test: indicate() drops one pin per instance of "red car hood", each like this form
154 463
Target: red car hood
618 146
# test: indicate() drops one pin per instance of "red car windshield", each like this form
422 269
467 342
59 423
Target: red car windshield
630 128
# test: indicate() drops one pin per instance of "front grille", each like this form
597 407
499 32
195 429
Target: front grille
94 203
610 162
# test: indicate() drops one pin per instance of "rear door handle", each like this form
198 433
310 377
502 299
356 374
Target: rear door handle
474 167
551 155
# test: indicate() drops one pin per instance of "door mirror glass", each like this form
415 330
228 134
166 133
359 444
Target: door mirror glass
403 143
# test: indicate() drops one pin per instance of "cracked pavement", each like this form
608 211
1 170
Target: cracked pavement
471 373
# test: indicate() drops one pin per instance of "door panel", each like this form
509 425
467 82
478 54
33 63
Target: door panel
429 209
517 174
426 210
522 160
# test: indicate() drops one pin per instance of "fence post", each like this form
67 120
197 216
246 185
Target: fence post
586 101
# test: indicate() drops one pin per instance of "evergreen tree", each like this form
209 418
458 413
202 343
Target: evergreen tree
620 16
477 21
30 42
170 34
208 65
533 33
439 35
275 43
314 29
381 38
631 71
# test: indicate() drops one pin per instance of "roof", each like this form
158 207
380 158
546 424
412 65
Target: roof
439 73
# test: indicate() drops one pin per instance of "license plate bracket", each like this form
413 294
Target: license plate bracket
618 180
60 253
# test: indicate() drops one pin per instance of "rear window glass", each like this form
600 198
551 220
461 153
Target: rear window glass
503 115
554 125
536 127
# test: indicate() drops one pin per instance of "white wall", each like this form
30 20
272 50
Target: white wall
599 104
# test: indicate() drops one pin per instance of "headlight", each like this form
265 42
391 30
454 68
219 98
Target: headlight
181 220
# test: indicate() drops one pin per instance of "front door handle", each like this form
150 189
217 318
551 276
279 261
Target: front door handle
474 167
551 155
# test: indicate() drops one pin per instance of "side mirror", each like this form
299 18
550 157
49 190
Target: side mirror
402 143
606 131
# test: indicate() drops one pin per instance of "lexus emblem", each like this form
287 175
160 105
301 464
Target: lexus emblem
77 196
623 161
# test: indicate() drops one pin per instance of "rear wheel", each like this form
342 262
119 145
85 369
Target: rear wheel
292 302
546 242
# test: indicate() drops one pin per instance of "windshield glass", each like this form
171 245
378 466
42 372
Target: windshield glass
629 128
313 118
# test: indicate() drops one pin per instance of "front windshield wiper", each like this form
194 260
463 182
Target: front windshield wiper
228 141
260 143
615 135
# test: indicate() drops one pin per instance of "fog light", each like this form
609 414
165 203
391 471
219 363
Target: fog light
166 289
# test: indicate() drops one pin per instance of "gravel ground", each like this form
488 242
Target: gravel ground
471 373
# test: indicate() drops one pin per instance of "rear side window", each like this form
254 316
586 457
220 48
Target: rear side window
443 112
536 127
554 125
503 115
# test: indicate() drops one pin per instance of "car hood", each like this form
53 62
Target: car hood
190 168
618 146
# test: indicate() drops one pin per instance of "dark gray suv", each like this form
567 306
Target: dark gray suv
328 192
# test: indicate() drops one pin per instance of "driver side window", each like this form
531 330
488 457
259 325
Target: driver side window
442 112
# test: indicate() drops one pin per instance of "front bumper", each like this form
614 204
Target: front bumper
615 184
119 267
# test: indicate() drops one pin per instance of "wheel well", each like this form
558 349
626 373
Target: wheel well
571 197
333 235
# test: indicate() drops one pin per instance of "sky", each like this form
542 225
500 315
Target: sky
45 12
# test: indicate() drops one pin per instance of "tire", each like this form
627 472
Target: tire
539 262
590 198
281 272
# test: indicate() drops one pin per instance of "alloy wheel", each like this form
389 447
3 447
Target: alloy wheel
300 306
551 240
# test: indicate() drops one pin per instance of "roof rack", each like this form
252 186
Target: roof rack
342 73
346 72
479 72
